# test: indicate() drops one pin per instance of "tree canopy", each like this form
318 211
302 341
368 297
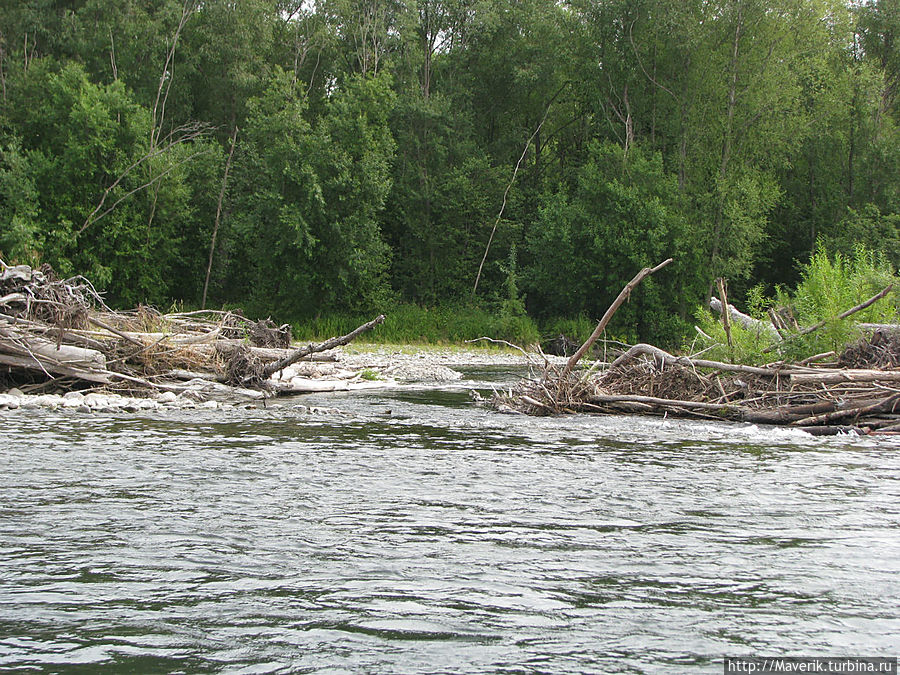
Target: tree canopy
382 149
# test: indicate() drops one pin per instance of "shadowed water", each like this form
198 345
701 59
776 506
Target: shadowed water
419 534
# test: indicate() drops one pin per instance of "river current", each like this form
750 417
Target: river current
417 533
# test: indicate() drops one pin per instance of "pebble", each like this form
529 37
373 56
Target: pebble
93 400
316 410
10 402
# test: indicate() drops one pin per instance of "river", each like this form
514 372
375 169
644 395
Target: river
418 533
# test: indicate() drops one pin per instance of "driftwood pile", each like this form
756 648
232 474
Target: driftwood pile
857 391
58 334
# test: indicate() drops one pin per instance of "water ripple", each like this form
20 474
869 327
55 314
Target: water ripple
439 538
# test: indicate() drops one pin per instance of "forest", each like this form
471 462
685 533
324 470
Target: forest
521 159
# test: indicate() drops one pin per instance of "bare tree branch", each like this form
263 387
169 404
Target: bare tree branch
513 180
191 132
212 244
165 79
92 219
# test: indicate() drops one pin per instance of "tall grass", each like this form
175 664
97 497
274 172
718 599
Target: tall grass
830 285
412 324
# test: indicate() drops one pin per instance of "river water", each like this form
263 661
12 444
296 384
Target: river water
417 533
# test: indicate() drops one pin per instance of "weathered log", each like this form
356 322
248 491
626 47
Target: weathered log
262 353
179 340
745 320
624 406
298 354
203 338
872 327
19 273
738 413
303 385
168 339
669 360
861 409
844 375
13 297
20 343
887 422
206 390
78 338
788 414
727 411
816 357
46 367
890 428
181 374
115 331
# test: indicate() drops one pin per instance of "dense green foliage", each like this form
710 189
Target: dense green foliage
828 286
379 149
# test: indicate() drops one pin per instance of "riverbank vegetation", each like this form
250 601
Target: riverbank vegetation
519 159
444 324
828 287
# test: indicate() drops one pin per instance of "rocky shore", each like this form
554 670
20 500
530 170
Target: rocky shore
355 367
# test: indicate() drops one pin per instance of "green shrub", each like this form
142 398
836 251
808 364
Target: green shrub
746 345
578 328
829 285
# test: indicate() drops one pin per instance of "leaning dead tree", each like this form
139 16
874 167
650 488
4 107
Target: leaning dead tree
58 334
859 391
613 308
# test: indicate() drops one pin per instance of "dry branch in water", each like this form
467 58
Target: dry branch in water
624 295
295 356
820 399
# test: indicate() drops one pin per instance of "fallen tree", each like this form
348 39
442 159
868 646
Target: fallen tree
58 335
747 321
821 398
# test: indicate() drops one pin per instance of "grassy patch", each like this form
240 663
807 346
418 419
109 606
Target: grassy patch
411 324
